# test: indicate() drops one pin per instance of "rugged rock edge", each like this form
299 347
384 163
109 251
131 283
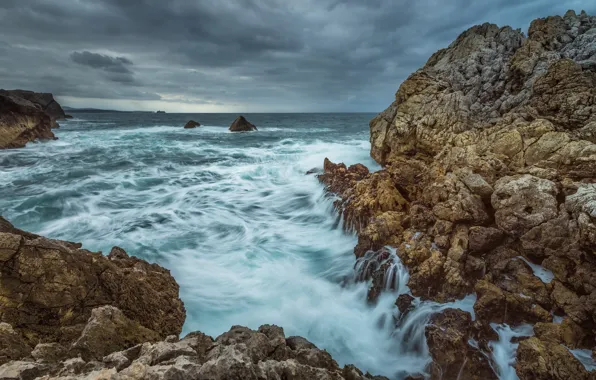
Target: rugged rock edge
27 116
489 170
68 313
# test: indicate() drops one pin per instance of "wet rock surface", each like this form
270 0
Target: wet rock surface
448 337
242 125
192 124
488 186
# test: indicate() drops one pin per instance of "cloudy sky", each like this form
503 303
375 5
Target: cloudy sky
237 55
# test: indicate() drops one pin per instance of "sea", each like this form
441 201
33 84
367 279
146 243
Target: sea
250 237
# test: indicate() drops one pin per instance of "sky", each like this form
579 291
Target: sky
237 55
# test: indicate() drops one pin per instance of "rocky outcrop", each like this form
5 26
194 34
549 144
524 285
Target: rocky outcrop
43 100
22 121
242 125
67 313
48 289
488 180
192 124
240 353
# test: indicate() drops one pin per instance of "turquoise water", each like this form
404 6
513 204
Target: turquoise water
248 236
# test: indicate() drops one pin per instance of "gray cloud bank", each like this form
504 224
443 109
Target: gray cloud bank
245 55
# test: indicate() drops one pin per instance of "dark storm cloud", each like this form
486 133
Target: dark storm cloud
261 55
116 68
101 61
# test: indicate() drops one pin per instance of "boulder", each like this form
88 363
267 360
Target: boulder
192 124
242 125
540 360
523 202
109 330
12 345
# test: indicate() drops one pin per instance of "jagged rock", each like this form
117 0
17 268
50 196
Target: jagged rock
447 335
49 287
582 205
49 352
109 330
44 101
523 202
542 360
483 239
12 344
242 125
566 332
404 303
21 370
21 122
192 124
240 353
367 195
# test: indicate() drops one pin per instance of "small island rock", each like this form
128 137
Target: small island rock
192 124
242 125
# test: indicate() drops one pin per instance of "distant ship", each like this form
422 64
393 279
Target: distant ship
161 112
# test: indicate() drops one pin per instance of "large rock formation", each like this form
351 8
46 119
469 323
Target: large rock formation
67 313
242 125
21 121
489 170
43 100
27 116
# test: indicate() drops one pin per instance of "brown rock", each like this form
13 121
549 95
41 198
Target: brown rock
447 336
523 202
542 360
192 124
109 330
242 125
51 286
404 303
482 239
12 344
21 122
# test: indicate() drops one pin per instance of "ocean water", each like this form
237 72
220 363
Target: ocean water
250 238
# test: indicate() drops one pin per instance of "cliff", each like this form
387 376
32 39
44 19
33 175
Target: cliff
489 170
27 116
21 121
43 100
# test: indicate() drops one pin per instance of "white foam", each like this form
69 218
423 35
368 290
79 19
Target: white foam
504 350
542 273
585 357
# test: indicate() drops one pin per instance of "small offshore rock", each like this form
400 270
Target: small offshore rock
192 124
242 125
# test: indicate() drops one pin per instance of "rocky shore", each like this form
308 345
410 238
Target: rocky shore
27 116
488 187
68 313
